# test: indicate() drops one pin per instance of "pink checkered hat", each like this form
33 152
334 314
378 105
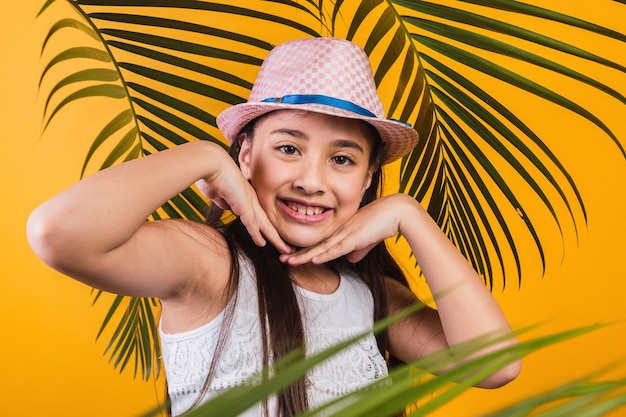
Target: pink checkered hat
324 75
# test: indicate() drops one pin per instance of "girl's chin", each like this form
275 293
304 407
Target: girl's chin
302 241
301 244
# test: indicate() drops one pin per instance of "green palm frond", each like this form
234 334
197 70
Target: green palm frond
176 64
412 383
448 38
579 398
135 338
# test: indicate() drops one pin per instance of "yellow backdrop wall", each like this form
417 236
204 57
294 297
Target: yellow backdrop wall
51 364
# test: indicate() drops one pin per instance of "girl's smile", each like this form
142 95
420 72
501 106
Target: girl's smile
309 171
304 212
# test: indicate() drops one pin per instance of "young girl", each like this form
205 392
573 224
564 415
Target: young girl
304 264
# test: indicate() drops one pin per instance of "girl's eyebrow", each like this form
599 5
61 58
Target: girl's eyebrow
339 143
291 132
345 143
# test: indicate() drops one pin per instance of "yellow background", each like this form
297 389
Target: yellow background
51 364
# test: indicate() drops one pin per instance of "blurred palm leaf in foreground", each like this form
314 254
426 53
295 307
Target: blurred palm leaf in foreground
410 388
162 71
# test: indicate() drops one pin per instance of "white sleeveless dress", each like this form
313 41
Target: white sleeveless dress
328 319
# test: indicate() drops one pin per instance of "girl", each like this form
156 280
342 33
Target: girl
304 264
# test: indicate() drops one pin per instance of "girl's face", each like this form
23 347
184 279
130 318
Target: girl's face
309 171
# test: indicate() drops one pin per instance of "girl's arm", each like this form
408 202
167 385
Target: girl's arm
96 231
466 310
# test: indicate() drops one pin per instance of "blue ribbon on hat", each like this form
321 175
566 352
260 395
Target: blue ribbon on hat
321 99
327 101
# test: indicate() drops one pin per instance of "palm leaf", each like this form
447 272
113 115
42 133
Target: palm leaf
459 94
411 382
580 398
135 337
176 64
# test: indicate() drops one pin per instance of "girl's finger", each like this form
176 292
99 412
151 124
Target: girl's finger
253 230
274 237
261 230
332 248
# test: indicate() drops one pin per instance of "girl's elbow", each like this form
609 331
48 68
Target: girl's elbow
45 240
503 376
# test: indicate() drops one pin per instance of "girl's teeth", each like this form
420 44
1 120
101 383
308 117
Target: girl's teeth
308 211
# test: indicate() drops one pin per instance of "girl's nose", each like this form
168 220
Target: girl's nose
311 178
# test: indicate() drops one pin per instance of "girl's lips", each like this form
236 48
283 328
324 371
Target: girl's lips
304 213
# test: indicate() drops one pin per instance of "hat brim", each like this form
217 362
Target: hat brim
399 138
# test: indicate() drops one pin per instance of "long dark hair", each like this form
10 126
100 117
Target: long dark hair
279 311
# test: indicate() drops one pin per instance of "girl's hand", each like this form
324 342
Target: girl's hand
228 189
370 225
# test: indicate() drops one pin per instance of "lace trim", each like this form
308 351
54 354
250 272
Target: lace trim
192 358
348 370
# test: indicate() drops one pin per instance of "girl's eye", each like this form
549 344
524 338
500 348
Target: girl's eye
342 160
288 149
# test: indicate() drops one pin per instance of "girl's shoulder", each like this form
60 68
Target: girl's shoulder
198 249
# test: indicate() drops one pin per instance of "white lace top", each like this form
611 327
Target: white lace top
328 318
